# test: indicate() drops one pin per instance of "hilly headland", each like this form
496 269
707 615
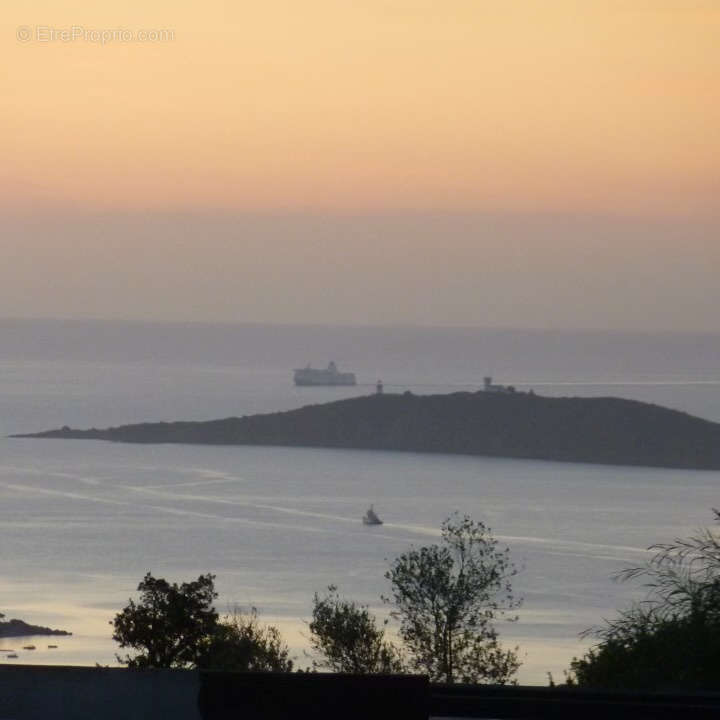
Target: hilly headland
19 628
512 425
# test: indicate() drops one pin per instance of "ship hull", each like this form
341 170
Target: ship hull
334 381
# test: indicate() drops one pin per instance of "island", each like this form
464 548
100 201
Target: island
496 424
19 628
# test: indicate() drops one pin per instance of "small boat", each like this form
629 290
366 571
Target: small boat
371 518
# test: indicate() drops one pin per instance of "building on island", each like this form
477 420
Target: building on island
490 387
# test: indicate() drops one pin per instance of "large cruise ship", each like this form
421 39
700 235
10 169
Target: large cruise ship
329 376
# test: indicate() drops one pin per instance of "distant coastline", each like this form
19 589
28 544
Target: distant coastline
19 628
608 430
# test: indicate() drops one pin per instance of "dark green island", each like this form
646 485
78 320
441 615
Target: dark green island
510 425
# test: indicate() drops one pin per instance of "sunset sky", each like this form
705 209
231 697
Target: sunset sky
527 163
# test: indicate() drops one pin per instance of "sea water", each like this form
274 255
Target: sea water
81 522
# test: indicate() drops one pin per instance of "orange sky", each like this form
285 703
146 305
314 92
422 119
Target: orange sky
594 115
564 105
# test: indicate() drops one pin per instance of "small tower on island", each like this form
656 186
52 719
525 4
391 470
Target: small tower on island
379 387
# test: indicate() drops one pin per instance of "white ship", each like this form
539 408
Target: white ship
330 376
371 518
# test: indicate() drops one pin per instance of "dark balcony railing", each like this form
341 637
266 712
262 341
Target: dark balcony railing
559 703
370 697
317 696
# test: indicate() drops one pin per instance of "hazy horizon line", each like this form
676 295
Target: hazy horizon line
359 326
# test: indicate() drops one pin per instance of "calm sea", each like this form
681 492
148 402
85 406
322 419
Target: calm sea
81 522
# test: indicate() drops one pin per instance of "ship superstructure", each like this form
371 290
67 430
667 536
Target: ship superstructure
330 376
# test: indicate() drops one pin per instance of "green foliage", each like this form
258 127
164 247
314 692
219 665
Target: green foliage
348 638
241 644
447 597
671 639
168 624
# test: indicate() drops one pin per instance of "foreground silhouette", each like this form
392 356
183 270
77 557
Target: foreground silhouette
670 640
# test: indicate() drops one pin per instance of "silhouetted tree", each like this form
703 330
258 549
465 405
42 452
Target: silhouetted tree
671 639
176 626
348 637
240 643
447 597
168 624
